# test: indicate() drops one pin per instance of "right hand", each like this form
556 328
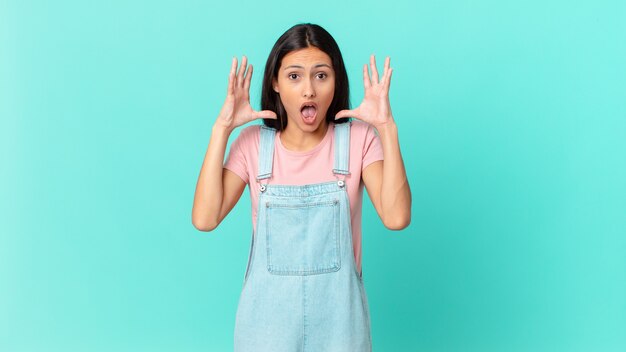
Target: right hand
237 110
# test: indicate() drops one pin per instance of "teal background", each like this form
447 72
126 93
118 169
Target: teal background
512 124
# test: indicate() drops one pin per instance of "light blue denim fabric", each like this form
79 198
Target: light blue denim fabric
301 291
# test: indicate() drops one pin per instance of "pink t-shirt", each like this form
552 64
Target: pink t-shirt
309 167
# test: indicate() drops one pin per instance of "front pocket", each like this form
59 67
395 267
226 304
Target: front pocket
302 238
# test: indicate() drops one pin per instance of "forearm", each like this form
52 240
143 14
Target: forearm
395 194
209 193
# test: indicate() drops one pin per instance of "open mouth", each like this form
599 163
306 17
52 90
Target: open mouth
308 112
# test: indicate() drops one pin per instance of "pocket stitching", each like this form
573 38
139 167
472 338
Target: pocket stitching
335 262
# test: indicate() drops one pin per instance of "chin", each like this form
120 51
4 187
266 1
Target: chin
313 127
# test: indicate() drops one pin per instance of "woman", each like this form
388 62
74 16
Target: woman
306 167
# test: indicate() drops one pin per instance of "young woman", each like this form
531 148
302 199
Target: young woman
305 168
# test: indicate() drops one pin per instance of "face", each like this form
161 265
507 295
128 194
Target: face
306 86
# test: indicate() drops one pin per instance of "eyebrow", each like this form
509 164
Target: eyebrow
302 67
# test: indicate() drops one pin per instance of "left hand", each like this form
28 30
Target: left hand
374 108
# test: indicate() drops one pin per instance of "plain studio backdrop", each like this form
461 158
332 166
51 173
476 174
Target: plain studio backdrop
512 125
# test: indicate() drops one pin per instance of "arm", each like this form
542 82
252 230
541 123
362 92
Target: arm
218 190
385 181
387 184
214 200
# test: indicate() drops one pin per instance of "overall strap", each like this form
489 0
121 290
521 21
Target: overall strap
342 148
266 152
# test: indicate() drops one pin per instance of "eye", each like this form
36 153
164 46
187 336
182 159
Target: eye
293 76
322 75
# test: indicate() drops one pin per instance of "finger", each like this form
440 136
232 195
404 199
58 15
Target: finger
366 77
246 82
386 70
242 70
374 70
231 77
387 82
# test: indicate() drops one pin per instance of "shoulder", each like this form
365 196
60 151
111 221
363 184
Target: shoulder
250 131
248 137
359 127
360 130
364 140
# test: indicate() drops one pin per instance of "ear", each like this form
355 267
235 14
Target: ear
275 85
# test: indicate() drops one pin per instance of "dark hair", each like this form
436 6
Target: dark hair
302 36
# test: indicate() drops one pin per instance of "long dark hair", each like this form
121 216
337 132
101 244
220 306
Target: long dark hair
298 37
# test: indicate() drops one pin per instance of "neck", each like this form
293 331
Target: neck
300 141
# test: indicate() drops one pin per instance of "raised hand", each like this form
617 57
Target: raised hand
374 108
237 110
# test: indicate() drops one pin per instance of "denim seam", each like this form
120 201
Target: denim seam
300 193
300 196
304 205
285 272
336 219
250 259
304 322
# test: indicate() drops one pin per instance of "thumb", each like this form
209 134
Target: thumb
344 113
266 114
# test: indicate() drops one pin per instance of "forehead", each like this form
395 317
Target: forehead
306 57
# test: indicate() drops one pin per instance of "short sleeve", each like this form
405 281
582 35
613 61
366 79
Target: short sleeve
372 148
236 160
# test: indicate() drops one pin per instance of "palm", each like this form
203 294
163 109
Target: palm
375 108
237 105
236 110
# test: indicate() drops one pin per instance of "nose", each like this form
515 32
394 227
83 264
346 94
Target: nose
308 89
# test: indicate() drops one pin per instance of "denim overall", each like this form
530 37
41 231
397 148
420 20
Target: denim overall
301 290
